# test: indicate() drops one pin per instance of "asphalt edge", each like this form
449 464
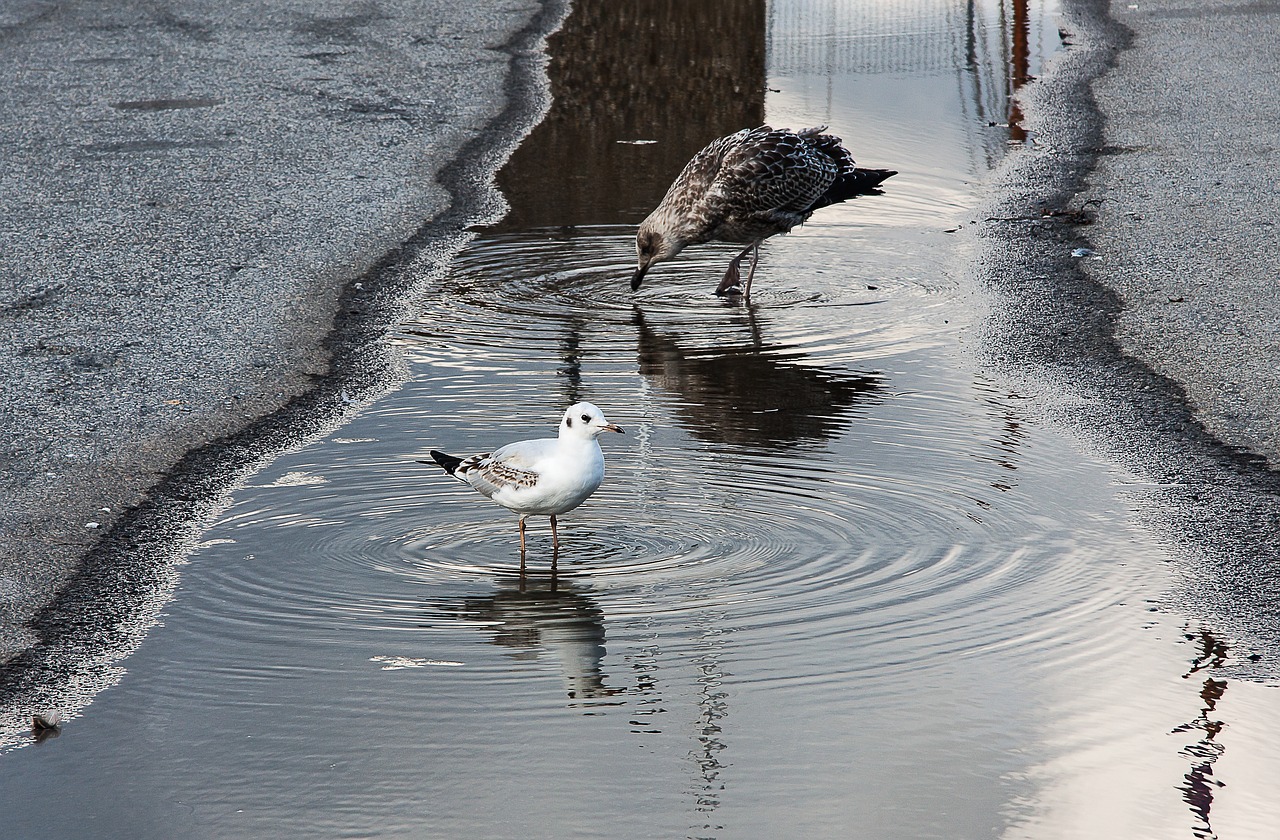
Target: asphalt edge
1052 332
82 635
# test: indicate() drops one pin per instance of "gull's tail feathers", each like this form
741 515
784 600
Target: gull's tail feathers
858 182
447 462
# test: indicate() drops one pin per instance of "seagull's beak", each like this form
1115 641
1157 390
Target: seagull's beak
609 427
638 277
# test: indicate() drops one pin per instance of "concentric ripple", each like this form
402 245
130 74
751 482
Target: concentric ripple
805 467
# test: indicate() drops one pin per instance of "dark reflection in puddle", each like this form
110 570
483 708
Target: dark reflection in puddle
811 598
1199 785
533 616
752 394
1019 64
637 88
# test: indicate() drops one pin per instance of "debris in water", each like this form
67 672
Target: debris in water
44 727
397 663
297 478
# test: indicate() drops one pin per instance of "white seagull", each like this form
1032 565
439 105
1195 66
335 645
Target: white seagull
544 477
746 187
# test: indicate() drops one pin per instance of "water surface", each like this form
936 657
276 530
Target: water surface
838 581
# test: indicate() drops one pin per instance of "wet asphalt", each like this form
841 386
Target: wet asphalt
207 213
1131 253
202 208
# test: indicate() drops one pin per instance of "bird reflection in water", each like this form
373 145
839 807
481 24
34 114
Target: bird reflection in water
751 394
540 615
1199 785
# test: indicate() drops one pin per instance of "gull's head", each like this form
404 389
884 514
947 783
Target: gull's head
585 422
655 241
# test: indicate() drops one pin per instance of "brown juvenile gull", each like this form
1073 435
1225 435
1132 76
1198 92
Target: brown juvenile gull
747 187
545 477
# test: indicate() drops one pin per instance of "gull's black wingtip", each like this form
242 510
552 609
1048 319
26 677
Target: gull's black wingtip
448 462
860 181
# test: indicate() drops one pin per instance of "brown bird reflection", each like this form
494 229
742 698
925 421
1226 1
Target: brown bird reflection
547 615
747 396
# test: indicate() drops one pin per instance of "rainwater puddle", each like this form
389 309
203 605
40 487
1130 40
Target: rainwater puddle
836 582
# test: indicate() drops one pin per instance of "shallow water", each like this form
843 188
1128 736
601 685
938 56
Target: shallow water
837 582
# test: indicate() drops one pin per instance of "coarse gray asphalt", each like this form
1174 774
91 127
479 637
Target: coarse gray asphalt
202 210
1133 252
1187 196
1158 162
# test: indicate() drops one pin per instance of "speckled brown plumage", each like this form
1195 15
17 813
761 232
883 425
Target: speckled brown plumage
749 186
482 470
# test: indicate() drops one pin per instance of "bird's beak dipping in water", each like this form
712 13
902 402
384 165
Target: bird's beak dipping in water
638 277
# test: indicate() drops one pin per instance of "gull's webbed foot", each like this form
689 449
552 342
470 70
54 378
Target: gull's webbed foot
732 282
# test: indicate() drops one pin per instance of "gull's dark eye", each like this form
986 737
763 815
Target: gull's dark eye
586 418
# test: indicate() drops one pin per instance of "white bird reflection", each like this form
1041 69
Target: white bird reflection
548 615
